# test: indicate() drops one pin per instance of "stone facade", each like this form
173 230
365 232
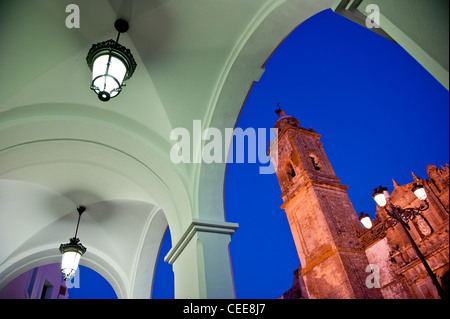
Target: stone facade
298 289
320 214
334 248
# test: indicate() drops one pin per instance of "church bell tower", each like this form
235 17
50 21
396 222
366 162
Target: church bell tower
321 217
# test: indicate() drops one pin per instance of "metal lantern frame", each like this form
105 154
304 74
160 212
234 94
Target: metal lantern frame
74 245
111 49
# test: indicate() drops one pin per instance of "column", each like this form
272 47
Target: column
201 261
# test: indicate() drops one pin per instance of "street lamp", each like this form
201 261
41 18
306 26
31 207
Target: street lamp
72 252
402 216
111 64
365 220
381 196
419 191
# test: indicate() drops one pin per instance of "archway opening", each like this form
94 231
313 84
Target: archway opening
347 83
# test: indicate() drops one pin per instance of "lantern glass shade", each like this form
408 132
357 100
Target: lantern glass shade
365 220
71 255
381 196
69 264
419 191
108 73
111 64
380 199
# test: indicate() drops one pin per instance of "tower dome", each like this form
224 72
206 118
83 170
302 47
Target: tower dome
285 120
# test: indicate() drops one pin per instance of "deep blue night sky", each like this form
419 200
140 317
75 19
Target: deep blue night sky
380 114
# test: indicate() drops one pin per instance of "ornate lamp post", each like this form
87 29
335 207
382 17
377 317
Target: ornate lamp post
403 216
72 251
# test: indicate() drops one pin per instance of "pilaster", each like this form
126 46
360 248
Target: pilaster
201 261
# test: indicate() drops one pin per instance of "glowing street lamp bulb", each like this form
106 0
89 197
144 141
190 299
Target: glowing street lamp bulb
71 255
380 199
365 220
381 196
72 251
69 264
419 191
108 73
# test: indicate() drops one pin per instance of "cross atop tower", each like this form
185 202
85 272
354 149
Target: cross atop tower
279 111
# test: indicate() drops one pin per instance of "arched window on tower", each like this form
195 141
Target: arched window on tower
290 170
315 162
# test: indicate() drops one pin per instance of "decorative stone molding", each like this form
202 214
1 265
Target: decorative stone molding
199 225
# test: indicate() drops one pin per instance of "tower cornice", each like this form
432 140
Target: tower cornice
309 182
285 130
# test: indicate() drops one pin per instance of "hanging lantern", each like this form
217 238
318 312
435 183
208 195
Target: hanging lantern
111 64
72 252
71 255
